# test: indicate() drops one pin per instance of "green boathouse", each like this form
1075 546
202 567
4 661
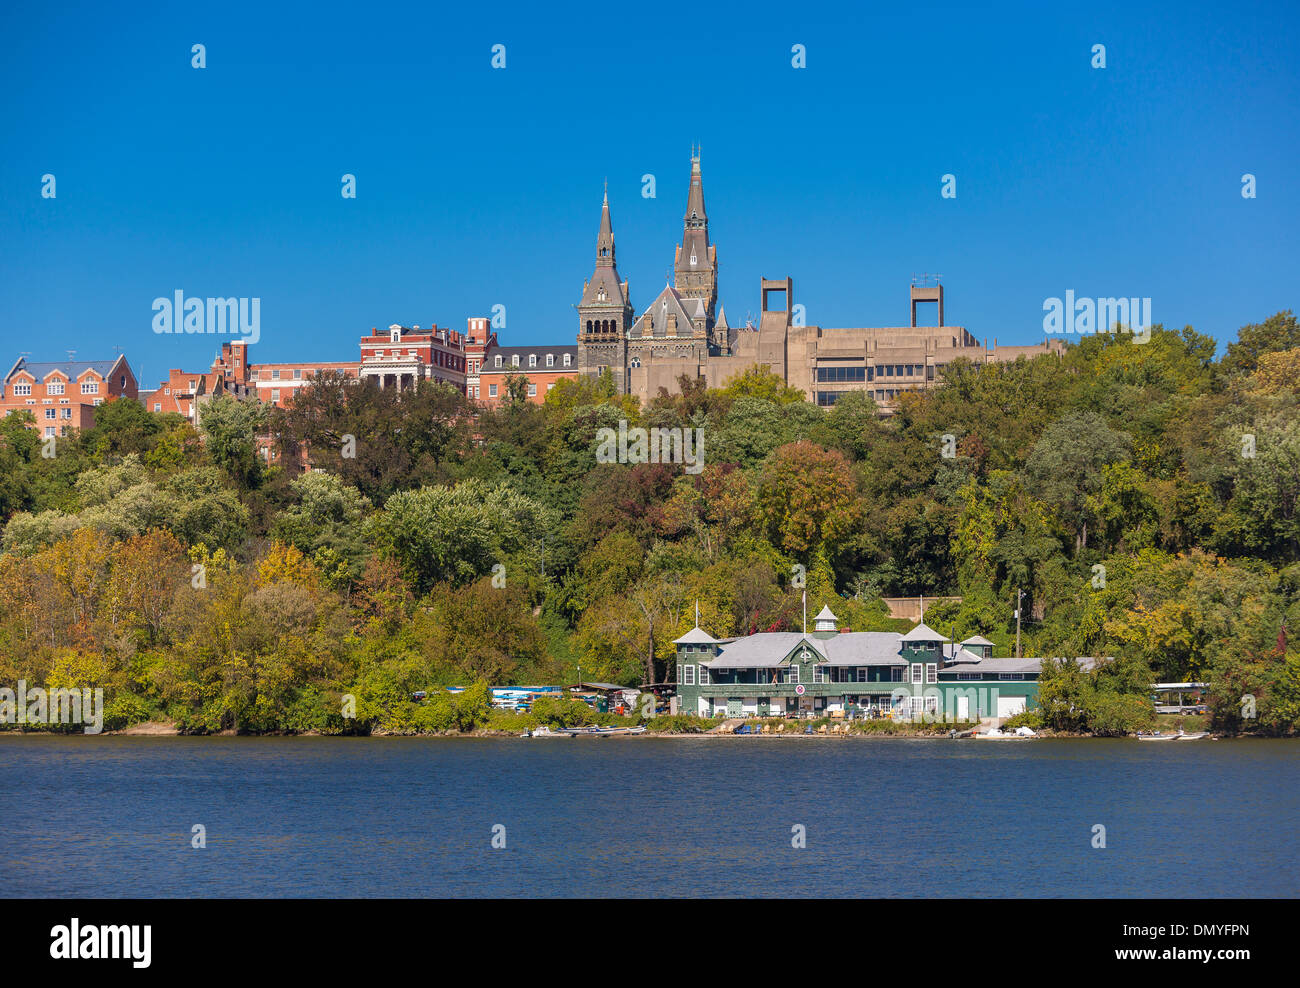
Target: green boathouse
836 673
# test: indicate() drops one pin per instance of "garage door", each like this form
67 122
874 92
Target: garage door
1009 706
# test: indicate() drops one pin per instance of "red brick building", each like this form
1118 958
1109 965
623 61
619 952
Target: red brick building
401 355
542 365
63 395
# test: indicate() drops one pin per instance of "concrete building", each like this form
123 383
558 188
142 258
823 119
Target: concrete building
63 395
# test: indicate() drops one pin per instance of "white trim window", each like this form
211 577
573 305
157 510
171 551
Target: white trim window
90 387
567 358
794 674
917 672
931 672
550 360
54 388
23 388
704 675
819 674
690 676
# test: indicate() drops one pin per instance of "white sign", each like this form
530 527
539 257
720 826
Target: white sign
799 690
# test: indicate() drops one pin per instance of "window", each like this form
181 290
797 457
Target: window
550 360
157 406
51 413
549 386
49 430
532 390
862 674
841 373
704 675
65 413
98 402
275 395
54 388
931 672
566 360
297 374
794 674
532 360
819 674
22 389
90 387
498 360
916 672
514 360
690 676
492 390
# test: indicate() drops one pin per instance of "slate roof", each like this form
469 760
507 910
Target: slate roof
924 633
696 635
540 351
993 667
766 650
668 302
73 368
769 650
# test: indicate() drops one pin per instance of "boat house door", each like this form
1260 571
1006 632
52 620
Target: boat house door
735 706
963 708
763 706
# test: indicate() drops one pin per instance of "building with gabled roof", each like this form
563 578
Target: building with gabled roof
836 673
62 395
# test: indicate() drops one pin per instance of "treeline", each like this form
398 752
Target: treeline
1144 499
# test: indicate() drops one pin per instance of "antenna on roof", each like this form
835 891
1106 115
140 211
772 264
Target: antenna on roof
71 354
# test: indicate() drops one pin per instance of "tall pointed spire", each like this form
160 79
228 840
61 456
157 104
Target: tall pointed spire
605 239
696 264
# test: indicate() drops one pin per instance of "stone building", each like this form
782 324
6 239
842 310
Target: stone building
684 331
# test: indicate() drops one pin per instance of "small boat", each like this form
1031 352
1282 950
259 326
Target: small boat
600 732
998 735
544 732
1194 737
1158 737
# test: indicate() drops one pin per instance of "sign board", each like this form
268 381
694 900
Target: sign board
799 690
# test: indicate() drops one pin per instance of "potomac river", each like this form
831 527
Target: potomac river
681 816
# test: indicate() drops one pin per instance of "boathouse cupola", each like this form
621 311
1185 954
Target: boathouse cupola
825 620
697 642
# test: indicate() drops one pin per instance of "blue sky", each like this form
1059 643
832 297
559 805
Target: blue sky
479 187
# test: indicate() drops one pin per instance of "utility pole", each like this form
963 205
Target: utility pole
1019 596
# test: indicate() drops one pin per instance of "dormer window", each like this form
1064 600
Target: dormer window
550 360
532 360
514 360
395 335
692 259
498 360
566 360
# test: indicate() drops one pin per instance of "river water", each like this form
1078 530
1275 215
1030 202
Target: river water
115 816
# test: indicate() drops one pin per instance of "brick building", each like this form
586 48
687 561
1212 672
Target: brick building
540 365
402 355
63 395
